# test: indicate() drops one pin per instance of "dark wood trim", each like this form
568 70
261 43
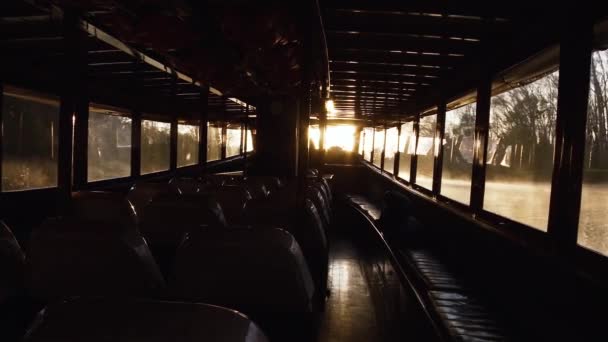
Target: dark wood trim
1 129
482 123
414 157
383 153
398 154
203 121
371 155
71 86
173 132
245 128
224 129
573 97
135 144
439 134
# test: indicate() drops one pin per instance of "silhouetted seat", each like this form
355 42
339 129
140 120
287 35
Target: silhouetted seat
186 185
69 257
141 194
167 219
141 320
258 271
312 238
431 270
15 310
364 205
314 193
12 261
112 207
232 199
464 318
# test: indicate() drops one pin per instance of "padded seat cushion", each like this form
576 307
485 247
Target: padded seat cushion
71 257
364 205
431 270
253 270
12 261
465 319
141 320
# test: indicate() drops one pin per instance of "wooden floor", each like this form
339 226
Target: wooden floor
349 314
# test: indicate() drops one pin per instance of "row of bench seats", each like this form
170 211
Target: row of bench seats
101 249
457 309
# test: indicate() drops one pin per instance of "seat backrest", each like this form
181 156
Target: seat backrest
314 193
107 206
12 262
396 210
312 237
169 216
253 270
73 257
233 200
186 185
107 319
327 188
141 194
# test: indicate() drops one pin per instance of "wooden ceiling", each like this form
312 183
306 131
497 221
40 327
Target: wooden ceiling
388 58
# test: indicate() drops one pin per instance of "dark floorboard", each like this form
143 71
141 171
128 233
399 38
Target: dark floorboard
349 314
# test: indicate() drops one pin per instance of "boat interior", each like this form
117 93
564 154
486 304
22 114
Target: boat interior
311 170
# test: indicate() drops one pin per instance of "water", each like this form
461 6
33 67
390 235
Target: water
528 203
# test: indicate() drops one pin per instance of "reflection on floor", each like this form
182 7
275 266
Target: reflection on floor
349 313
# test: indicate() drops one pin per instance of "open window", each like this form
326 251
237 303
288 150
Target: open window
378 146
30 131
109 144
407 147
233 140
426 149
593 220
390 149
155 146
521 141
187 144
214 141
458 149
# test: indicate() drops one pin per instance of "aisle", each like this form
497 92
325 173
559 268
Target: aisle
349 314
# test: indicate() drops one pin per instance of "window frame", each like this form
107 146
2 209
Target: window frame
123 113
40 97
154 118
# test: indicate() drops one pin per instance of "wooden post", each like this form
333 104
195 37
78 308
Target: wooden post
439 135
71 86
224 129
574 74
482 123
414 157
203 131
173 132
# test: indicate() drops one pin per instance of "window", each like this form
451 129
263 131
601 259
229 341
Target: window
426 150
407 146
187 144
155 146
458 153
30 132
340 137
109 145
520 152
378 146
392 144
314 136
233 140
249 142
214 141
593 222
368 143
361 142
